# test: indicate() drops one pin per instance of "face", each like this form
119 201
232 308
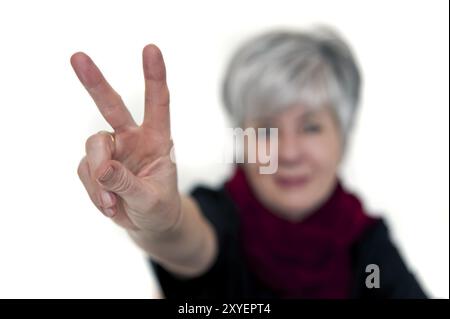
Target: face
309 153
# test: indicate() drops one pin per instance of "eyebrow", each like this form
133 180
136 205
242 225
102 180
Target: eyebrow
265 120
307 115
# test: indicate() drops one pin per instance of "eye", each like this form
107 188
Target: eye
312 128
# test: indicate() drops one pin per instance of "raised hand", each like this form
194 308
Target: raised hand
129 174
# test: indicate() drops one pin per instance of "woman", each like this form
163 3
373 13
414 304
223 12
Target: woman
297 233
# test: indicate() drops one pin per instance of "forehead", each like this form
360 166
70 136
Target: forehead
294 113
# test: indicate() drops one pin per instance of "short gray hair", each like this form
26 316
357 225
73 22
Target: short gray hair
283 68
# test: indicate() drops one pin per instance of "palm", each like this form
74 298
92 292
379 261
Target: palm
139 147
147 155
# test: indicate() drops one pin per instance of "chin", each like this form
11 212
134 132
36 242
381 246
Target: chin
294 204
291 207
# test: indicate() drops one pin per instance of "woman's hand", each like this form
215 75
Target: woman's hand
129 175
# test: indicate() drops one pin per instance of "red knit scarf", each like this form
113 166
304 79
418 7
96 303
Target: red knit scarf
306 259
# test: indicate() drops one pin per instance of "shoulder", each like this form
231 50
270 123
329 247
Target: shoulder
217 207
376 248
207 195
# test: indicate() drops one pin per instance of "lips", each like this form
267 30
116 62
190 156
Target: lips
289 182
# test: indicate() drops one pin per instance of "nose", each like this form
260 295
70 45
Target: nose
289 150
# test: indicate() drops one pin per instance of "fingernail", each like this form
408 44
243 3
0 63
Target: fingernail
106 175
107 199
109 212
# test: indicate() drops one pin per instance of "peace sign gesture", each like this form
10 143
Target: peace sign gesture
129 174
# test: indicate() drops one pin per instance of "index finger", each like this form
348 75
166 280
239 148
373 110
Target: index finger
109 103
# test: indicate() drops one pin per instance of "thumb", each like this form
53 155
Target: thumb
120 180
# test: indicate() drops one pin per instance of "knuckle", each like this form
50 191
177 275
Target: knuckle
121 182
115 103
80 171
88 185
97 142
95 199
92 192
91 142
81 168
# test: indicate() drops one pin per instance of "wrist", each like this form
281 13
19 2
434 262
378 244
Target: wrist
166 229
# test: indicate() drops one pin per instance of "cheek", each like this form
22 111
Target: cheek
262 184
324 154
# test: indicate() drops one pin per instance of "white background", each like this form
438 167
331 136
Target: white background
53 241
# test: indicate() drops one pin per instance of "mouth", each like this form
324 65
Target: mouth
291 182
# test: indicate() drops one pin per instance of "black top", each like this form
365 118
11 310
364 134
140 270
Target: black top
229 276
